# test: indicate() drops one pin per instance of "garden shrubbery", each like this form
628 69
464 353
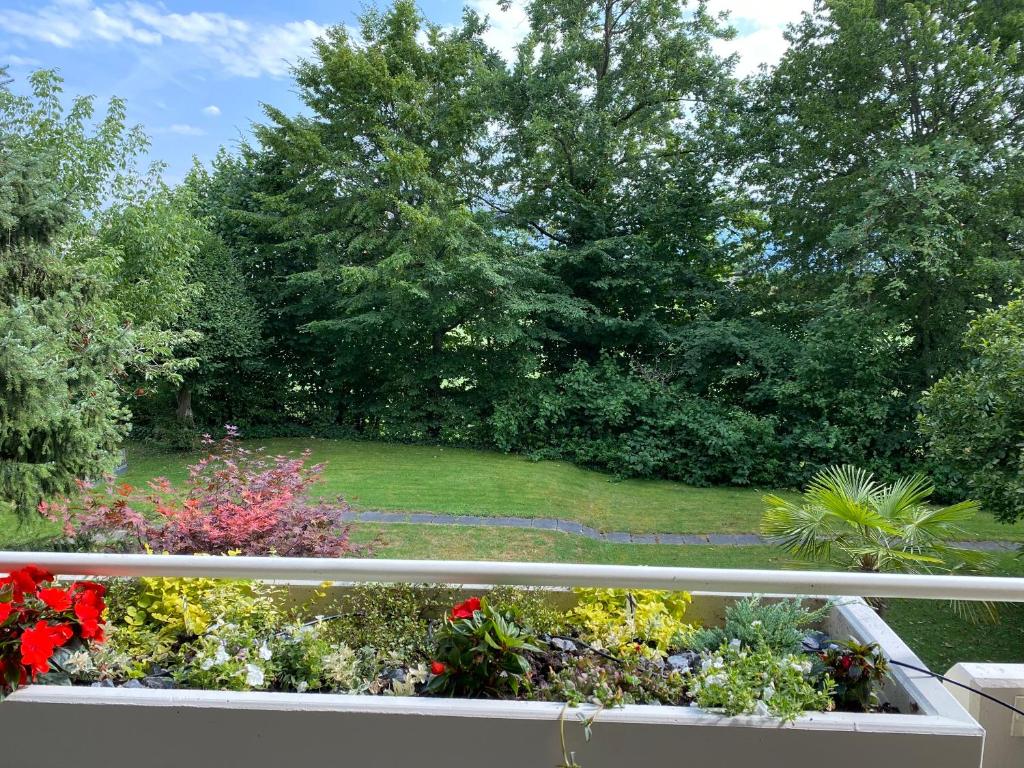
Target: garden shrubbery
235 500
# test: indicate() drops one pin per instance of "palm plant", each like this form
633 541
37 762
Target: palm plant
849 520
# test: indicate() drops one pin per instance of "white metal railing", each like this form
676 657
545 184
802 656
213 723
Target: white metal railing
989 588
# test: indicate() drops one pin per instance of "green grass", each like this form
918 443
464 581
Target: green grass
414 478
927 626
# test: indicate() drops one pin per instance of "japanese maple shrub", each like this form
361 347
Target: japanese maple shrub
235 500
39 618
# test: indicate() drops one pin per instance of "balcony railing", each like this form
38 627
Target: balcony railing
739 580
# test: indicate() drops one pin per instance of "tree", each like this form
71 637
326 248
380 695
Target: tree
65 355
216 320
973 419
605 161
885 153
407 306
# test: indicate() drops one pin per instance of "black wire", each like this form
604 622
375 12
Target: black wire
945 679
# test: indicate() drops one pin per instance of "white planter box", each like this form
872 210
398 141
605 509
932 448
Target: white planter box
49 726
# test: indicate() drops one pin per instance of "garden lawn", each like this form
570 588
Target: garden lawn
413 478
928 626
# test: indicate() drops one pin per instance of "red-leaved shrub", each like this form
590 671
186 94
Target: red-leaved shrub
235 500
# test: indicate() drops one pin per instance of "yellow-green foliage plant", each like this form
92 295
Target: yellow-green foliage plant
151 617
645 621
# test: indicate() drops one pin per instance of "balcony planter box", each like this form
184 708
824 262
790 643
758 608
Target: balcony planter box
47 726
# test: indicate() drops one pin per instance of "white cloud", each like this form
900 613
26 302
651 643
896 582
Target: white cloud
181 129
13 60
762 13
236 46
760 41
506 28
213 110
760 25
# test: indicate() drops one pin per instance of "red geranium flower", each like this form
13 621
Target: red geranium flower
57 599
437 668
466 609
38 644
5 611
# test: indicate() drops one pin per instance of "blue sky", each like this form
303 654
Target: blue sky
194 74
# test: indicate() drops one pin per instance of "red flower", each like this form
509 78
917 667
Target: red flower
89 609
38 644
57 599
466 609
437 668
5 611
89 586
26 579
845 662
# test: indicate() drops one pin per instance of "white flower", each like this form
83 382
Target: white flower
78 663
221 657
716 679
254 675
734 643
755 623
265 652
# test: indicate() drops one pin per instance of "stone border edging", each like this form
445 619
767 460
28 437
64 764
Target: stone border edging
613 537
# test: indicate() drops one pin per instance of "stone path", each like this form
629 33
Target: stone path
614 537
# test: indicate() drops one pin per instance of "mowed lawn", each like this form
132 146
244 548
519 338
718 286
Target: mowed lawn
413 478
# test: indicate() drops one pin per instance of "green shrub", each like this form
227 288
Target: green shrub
778 626
592 679
394 619
154 617
758 682
974 419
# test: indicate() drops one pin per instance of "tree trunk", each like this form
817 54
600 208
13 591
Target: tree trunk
184 411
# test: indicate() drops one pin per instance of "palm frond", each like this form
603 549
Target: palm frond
903 561
963 559
947 516
846 480
974 611
901 498
802 531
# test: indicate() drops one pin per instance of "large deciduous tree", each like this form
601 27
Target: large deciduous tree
885 150
605 160
408 308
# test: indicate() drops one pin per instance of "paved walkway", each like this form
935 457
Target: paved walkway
614 537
